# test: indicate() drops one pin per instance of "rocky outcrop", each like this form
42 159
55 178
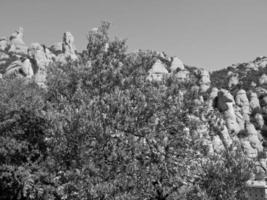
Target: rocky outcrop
204 81
21 67
17 59
254 101
241 100
56 48
182 75
17 45
41 59
157 72
3 44
176 64
233 80
68 49
238 96
263 79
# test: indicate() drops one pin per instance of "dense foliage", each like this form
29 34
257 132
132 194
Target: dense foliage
101 131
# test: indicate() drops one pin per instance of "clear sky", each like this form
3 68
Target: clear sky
204 33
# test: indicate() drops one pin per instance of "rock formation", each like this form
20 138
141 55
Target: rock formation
20 67
19 60
204 82
68 49
233 80
236 105
157 72
17 45
263 79
253 101
176 64
41 60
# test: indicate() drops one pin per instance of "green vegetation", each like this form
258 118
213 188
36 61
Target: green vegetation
101 131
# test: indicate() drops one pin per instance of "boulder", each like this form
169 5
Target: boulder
242 101
56 48
68 49
225 103
248 149
254 101
240 118
225 137
253 137
17 45
3 44
22 67
263 101
13 68
217 143
259 120
263 79
157 72
17 37
4 60
251 66
27 69
253 84
233 80
182 75
38 55
212 97
204 81
260 91
176 64
263 63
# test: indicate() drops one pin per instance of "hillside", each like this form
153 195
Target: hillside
108 124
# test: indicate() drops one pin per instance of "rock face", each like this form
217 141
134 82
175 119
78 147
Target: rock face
254 101
3 44
176 64
17 59
68 49
233 80
182 75
17 45
41 60
263 79
56 48
20 67
243 103
204 82
157 72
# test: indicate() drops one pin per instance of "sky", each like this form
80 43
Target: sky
205 33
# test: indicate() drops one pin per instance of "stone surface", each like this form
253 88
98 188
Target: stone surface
204 81
254 101
56 48
17 45
182 75
176 64
41 61
248 149
253 137
157 71
242 101
3 44
233 80
263 79
21 67
225 103
68 49
259 120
